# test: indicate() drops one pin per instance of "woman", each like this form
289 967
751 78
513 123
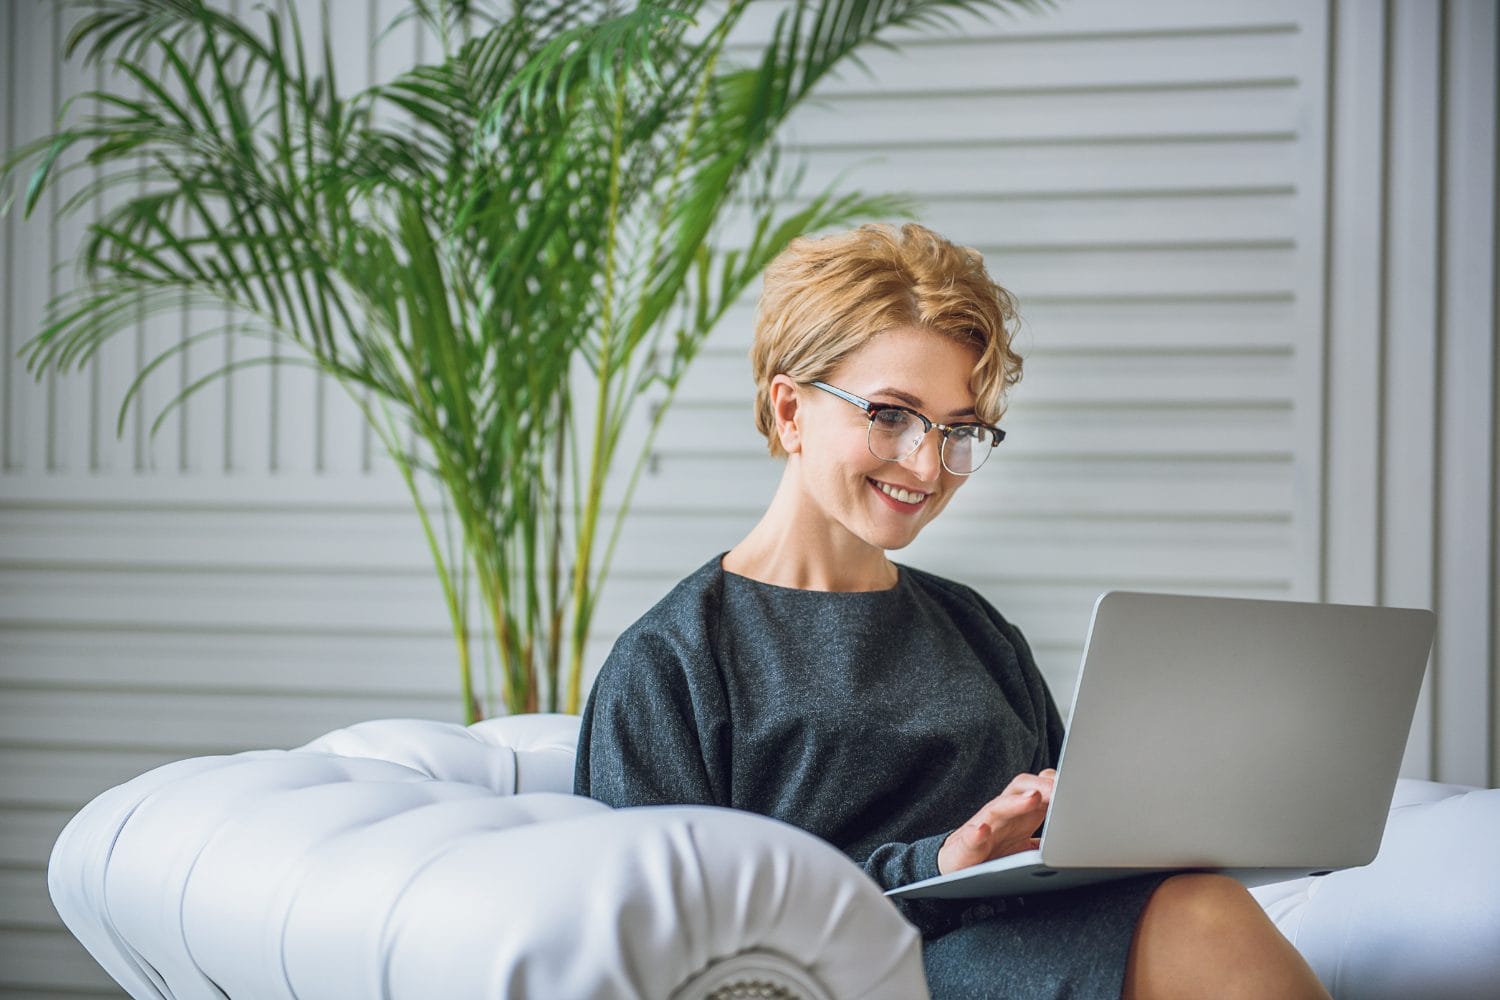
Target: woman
805 676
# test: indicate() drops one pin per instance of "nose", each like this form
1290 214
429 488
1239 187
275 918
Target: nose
927 461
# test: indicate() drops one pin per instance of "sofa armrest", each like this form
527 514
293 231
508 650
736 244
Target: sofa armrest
1423 918
509 754
311 874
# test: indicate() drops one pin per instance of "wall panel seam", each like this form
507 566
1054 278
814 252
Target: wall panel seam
1382 305
1325 341
96 376
1440 241
49 460
1494 487
7 264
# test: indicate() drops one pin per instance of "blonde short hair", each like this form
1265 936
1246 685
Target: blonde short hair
825 298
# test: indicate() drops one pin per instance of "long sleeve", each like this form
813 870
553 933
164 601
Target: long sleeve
1045 719
641 741
896 864
1041 698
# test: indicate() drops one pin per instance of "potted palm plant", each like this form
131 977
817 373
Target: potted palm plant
498 253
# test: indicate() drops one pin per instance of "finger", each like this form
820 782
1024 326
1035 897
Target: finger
1022 801
1017 788
1024 808
1030 782
1035 783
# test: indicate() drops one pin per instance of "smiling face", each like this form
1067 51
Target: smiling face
882 504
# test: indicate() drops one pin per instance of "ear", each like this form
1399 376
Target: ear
785 410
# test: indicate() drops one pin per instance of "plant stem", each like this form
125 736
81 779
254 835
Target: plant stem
598 464
456 615
554 562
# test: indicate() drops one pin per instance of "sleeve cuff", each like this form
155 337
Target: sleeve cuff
925 856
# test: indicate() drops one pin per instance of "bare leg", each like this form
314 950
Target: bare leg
1205 936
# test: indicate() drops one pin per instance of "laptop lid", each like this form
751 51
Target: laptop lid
1235 733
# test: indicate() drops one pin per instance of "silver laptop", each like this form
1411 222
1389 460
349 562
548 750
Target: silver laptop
1261 739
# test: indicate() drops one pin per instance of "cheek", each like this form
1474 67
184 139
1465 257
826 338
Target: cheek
951 484
850 451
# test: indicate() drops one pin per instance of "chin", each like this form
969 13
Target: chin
891 541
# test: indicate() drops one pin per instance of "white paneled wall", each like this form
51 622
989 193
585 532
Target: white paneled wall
1254 244
1409 491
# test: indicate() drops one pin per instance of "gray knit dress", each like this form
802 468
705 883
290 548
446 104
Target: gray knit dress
879 721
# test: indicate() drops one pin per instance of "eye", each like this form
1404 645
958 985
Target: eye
969 433
890 420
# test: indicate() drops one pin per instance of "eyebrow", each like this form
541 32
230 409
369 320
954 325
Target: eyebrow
916 404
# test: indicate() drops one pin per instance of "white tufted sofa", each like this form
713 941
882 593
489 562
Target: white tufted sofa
410 859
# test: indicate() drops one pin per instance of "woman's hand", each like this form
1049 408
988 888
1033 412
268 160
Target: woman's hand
1004 825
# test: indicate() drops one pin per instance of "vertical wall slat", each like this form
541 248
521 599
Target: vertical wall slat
1467 371
70 395
385 55
161 448
36 75
298 390
1494 491
44 432
342 427
204 424
201 427
115 453
10 135
248 394
1410 281
1311 304
285 407
1354 316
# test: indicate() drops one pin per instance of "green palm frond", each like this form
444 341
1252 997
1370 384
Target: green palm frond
543 207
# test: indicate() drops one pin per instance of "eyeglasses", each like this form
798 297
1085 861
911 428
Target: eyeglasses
896 432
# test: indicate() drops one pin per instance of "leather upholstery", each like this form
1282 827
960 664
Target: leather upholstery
415 859
412 859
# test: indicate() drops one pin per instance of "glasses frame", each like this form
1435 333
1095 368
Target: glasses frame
872 409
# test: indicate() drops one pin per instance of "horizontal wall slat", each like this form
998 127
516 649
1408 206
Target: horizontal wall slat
963 120
229 599
1081 380
1167 219
27 905
1084 273
1080 17
1093 63
173 658
27 835
47 963
1117 326
191 723
993 173
35 778
371 542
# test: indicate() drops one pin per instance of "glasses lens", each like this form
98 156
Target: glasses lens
965 449
894 434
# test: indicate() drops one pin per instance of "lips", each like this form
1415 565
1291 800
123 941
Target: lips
900 497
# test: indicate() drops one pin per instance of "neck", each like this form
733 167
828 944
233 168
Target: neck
797 546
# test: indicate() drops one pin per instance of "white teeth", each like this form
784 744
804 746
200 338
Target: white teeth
905 496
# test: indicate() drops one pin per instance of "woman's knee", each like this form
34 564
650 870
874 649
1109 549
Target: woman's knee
1204 935
1199 903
